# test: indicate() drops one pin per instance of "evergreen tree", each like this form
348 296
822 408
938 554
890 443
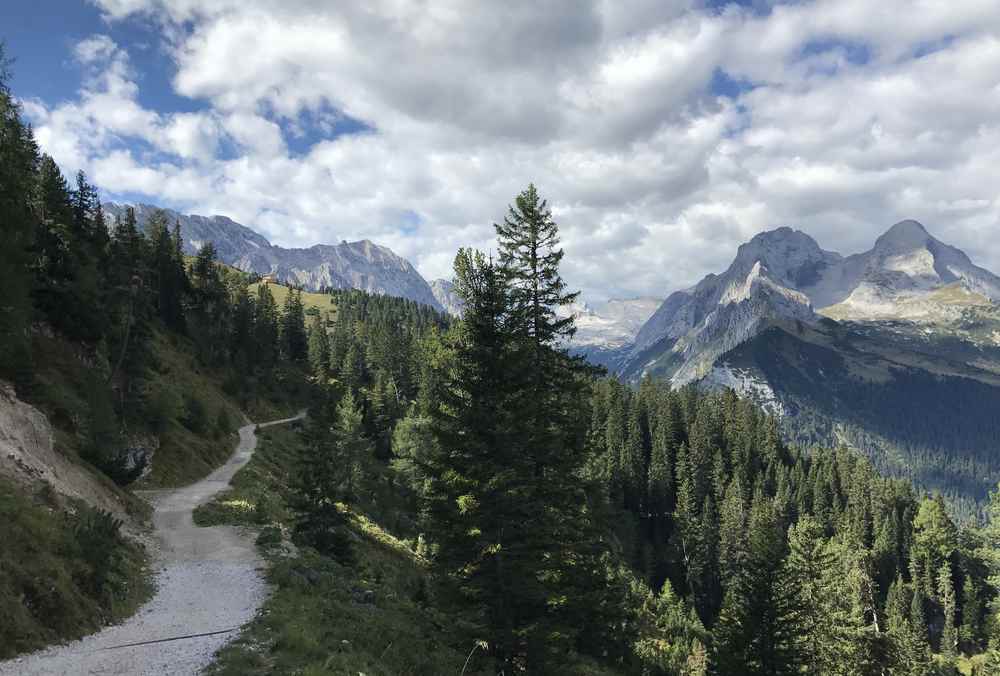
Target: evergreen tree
265 331
320 482
528 240
209 311
18 162
946 596
818 612
474 500
167 272
294 343
319 348
754 634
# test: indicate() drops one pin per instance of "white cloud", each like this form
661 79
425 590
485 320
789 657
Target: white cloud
861 114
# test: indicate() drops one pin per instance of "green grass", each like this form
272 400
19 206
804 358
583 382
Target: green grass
48 569
321 301
185 455
316 620
968 666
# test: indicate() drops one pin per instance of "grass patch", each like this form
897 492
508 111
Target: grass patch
258 493
372 615
186 454
969 666
63 573
320 301
375 615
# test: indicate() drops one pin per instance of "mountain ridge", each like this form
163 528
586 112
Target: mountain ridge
784 274
360 265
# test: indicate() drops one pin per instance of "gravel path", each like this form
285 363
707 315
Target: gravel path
208 580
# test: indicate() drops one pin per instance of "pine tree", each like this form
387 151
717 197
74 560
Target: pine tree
209 313
910 654
946 597
294 343
528 240
265 331
319 349
819 609
18 162
167 272
753 631
128 306
474 500
320 483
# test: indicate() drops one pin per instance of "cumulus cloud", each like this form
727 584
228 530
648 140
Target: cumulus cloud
663 133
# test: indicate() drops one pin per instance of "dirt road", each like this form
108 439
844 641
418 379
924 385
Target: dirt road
208 580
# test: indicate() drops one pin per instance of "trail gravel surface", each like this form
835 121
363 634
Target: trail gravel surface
209 582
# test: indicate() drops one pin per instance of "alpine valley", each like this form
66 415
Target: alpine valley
894 351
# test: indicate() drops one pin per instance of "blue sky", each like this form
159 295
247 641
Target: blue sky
41 35
663 133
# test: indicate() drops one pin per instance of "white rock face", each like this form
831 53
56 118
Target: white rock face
746 384
611 324
905 276
348 265
784 274
444 292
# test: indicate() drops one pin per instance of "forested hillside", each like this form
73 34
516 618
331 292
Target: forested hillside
141 360
564 523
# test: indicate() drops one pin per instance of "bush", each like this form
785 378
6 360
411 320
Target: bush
266 508
269 537
195 416
98 539
223 423
163 407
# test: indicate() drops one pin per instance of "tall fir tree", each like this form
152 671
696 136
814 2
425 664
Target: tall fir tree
319 348
18 163
294 342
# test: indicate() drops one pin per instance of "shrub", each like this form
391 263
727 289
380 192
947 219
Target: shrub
163 406
223 423
195 416
270 536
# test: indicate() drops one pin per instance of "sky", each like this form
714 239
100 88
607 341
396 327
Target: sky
662 132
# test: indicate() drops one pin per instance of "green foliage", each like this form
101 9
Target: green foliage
195 416
18 162
61 576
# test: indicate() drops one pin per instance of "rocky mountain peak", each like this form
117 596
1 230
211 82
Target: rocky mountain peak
783 274
904 236
791 257
359 265
444 292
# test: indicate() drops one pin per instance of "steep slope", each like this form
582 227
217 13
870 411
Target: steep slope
444 292
696 325
907 275
920 405
348 265
903 275
909 372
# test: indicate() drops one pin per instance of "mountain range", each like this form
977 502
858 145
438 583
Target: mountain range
360 265
894 351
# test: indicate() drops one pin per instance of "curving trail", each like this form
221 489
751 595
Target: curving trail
208 580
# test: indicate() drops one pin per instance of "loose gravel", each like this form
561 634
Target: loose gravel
208 580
